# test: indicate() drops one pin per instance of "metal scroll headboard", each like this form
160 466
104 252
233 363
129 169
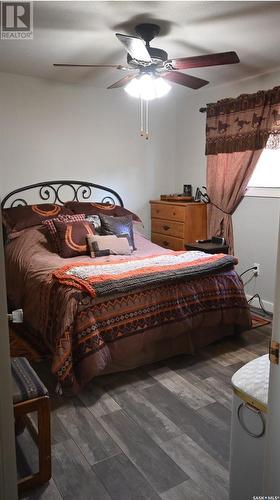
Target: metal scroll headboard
62 191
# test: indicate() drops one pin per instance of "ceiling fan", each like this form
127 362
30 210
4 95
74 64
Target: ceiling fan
149 69
154 63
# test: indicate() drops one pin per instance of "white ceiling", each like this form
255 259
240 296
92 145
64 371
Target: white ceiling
83 32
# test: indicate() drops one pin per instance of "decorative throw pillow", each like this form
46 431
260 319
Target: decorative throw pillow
108 245
72 237
95 220
16 219
118 226
88 208
52 232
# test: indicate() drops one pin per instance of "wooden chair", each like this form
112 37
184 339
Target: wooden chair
30 395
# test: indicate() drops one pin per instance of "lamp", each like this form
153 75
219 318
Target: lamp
146 87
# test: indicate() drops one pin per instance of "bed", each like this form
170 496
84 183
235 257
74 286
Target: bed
89 334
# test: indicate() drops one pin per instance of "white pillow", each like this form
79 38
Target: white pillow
108 245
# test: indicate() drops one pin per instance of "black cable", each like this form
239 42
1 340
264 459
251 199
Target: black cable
261 304
256 294
206 199
247 270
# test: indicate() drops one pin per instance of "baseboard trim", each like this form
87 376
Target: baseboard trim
255 302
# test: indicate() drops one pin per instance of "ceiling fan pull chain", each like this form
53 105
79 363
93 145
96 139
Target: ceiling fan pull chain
141 117
147 119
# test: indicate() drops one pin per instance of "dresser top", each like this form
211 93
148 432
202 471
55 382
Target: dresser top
176 203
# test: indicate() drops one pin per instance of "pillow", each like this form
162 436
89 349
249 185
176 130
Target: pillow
108 245
71 237
95 220
16 219
118 225
80 207
138 227
52 232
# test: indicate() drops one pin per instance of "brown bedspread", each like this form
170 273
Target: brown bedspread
87 336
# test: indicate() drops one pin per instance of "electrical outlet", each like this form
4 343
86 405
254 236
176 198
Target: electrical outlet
257 270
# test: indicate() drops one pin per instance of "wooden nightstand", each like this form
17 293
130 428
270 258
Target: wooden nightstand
176 223
207 247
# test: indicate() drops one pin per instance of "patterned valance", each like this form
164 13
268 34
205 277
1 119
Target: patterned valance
249 122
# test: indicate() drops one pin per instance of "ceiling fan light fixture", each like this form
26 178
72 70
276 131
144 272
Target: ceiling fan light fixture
161 87
147 87
133 88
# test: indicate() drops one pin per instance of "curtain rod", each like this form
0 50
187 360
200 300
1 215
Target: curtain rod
202 110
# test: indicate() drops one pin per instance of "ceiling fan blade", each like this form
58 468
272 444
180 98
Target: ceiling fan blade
187 80
202 61
122 82
135 47
117 66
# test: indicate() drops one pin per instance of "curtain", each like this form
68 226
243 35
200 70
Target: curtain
227 177
237 130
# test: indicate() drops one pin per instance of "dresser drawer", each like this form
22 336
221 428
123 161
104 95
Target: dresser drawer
168 241
168 227
161 211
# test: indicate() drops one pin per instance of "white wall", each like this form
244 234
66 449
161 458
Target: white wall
54 131
256 219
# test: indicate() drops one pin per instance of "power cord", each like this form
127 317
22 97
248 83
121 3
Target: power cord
261 304
254 268
205 198
256 296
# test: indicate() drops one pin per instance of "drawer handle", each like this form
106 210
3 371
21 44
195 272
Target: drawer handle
166 243
174 213
166 228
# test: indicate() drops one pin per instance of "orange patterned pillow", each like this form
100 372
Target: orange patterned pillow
72 237
52 233
16 219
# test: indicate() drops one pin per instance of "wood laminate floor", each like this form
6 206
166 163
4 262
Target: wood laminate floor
160 432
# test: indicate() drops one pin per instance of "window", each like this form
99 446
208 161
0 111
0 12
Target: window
265 180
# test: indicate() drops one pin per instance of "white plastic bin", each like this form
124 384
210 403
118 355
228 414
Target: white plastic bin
250 387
